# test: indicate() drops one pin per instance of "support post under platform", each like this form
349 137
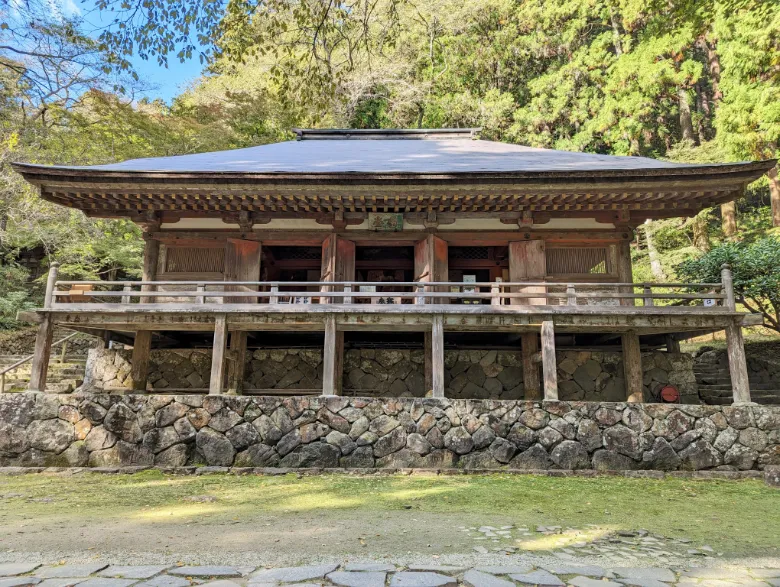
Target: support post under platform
142 348
549 365
632 367
218 355
332 358
529 349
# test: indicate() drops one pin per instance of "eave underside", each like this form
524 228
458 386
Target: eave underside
644 196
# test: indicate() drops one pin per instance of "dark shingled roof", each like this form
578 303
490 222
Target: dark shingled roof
435 151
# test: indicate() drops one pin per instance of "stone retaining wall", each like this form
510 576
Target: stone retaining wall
102 430
469 374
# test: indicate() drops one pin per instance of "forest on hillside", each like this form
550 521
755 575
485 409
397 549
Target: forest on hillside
688 80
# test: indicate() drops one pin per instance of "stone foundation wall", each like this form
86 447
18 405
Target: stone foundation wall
110 430
469 374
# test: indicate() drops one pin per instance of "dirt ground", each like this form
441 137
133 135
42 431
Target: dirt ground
290 520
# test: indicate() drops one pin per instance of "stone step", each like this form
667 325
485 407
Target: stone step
9 359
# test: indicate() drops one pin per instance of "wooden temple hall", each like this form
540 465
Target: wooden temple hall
431 242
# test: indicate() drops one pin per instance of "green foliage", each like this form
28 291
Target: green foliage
15 294
756 269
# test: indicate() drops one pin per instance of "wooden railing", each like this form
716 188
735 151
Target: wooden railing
198 293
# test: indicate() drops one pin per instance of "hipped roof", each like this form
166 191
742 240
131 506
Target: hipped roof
433 161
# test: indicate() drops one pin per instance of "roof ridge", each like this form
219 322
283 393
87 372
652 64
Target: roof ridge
304 134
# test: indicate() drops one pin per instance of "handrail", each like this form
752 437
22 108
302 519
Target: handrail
195 293
21 362
393 283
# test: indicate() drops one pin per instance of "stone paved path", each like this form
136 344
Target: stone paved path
379 574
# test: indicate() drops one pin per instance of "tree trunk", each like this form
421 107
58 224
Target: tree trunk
729 223
701 236
652 252
714 65
686 121
703 107
615 32
774 195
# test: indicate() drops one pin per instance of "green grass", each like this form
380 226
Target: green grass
735 517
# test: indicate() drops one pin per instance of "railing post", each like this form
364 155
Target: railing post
648 299
126 288
200 288
274 298
51 283
347 298
571 295
727 286
495 292
420 290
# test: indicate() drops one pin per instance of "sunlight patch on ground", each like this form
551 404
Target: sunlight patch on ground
175 512
564 539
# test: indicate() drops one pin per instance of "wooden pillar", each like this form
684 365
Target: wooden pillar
735 344
41 354
142 348
528 262
431 263
338 263
218 355
437 356
549 364
624 270
632 367
672 344
332 358
529 348
237 360
242 263
151 257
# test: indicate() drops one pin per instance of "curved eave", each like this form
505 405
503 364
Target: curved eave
39 174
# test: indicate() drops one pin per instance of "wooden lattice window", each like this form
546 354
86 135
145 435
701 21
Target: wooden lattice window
578 261
195 260
470 253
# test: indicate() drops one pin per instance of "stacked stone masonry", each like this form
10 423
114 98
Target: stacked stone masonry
103 430
469 374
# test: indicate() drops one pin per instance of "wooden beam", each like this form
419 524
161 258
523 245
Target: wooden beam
735 345
142 348
437 356
529 349
332 358
41 354
549 364
218 355
632 367
237 360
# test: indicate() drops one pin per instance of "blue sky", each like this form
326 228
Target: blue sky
165 83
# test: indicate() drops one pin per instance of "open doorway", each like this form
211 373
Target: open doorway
383 264
292 264
477 265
